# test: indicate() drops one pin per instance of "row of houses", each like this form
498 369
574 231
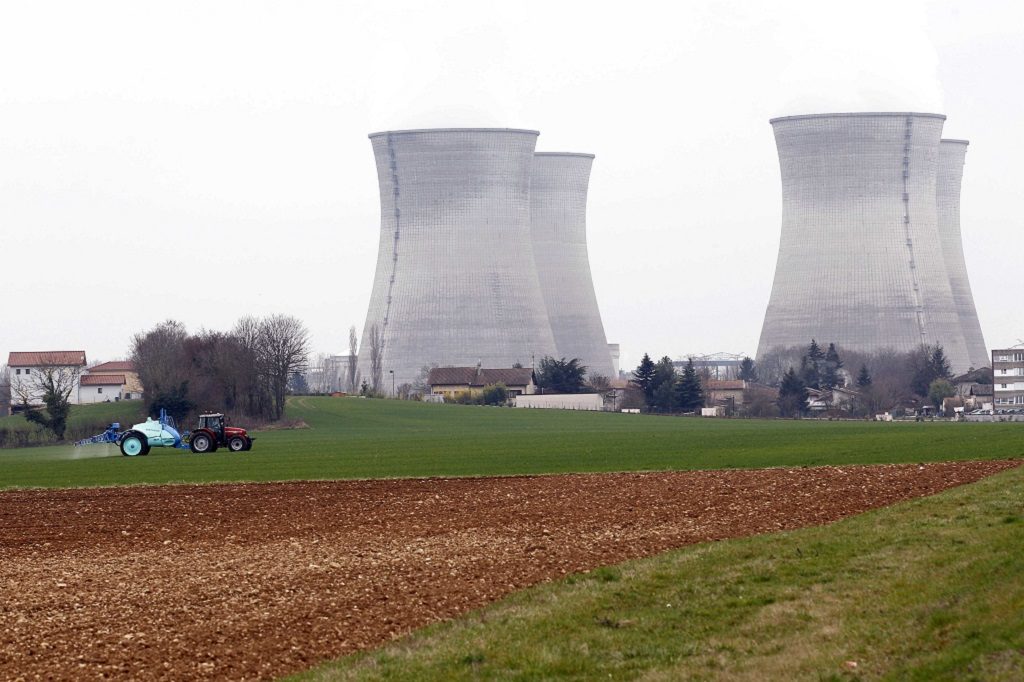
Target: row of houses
29 371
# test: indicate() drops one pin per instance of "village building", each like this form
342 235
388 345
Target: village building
29 370
451 381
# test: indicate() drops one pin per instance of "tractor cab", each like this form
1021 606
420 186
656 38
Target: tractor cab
213 422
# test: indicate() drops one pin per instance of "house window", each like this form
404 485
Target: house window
1002 385
17 371
99 389
28 371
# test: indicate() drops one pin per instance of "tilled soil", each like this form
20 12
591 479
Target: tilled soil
253 581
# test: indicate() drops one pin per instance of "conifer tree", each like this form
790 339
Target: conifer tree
662 386
864 378
792 394
828 371
689 393
748 371
643 378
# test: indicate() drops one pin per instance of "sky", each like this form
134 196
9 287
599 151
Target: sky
201 161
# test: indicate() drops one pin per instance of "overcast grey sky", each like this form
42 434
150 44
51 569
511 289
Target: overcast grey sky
205 160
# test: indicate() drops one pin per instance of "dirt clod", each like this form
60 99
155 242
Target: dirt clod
252 581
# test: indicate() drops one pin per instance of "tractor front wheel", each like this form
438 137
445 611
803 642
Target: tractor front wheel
201 443
134 444
237 444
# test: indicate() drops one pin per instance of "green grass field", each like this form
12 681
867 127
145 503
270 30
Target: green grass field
353 438
931 589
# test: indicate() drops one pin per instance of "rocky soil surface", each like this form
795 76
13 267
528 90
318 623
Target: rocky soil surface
253 581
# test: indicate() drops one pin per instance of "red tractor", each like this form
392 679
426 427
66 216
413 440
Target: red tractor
213 432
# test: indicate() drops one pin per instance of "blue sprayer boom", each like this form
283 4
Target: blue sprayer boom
152 433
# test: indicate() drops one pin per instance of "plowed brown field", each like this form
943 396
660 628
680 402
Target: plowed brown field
258 580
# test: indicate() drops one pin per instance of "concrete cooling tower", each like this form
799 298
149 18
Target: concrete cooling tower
558 199
456 282
860 258
947 196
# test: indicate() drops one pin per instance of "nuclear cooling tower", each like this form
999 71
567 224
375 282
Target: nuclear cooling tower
860 259
947 196
456 282
558 200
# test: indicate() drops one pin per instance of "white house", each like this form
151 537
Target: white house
29 370
124 371
100 388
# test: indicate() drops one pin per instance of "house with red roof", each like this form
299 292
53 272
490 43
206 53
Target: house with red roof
115 380
29 370
450 381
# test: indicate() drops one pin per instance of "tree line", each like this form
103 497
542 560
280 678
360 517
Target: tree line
883 381
663 389
245 371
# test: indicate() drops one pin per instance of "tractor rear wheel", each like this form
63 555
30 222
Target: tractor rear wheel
201 443
133 444
236 444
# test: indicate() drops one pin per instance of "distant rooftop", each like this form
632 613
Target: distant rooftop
43 358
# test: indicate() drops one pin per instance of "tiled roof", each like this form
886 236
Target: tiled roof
471 376
59 358
114 366
102 380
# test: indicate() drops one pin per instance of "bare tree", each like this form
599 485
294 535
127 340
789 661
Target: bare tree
283 350
376 359
161 359
353 360
52 384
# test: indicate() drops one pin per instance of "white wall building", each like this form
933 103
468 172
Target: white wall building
28 370
101 388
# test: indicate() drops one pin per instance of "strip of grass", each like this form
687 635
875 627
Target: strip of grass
931 589
83 421
352 438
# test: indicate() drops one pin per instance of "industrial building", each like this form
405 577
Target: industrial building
456 283
947 199
861 260
558 223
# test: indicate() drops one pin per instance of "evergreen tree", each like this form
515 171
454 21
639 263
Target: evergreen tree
663 384
808 373
814 352
643 378
864 378
561 376
811 365
828 372
927 364
940 364
748 371
688 391
792 394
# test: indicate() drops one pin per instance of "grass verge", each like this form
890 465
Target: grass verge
931 589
